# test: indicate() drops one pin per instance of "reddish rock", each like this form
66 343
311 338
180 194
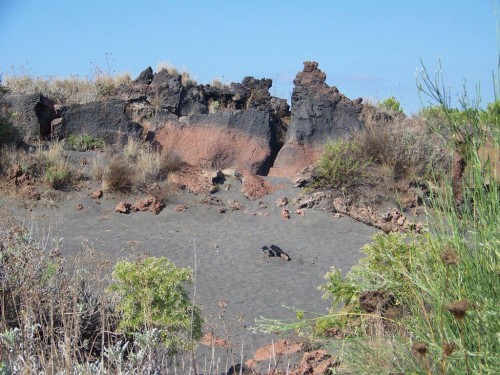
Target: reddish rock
211 340
234 205
192 179
255 187
281 202
300 212
223 139
315 362
150 204
97 194
123 207
181 208
392 221
285 214
276 349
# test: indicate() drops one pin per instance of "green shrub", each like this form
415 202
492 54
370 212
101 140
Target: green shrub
342 166
152 295
391 104
84 142
57 176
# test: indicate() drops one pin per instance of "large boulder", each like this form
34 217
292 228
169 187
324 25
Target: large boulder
32 114
319 113
104 119
218 140
165 91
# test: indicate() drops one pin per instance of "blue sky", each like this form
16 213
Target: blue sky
367 48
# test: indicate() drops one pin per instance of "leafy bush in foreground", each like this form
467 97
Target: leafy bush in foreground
152 295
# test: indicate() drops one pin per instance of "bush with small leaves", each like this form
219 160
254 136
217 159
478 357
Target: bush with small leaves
153 295
342 166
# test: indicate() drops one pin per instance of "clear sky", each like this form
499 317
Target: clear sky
367 48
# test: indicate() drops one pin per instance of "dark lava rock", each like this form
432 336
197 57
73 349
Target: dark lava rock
32 114
105 119
319 112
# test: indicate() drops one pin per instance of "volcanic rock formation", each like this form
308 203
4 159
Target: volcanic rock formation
319 113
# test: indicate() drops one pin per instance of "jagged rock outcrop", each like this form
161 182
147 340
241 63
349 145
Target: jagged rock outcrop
105 119
32 114
319 113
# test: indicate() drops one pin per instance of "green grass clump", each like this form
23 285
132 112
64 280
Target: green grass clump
84 142
153 296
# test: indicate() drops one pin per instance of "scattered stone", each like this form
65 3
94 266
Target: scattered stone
123 207
210 200
277 349
255 187
285 214
305 177
79 206
281 202
84 162
234 205
150 204
211 340
337 215
262 205
214 175
97 194
300 212
315 362
260 213
309 201
191 178
275 251
392 221
227 187
181 208
222 210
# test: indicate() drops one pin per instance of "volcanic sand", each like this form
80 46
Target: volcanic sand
235 284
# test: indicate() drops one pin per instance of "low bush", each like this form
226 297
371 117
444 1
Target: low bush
84 142
342 166
139 167
391 104
153 295
118 175
56 320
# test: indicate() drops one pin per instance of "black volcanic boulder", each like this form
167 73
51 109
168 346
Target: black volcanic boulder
32 114
104 119
165 91
319 113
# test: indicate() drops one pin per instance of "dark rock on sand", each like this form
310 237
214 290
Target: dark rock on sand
274 251
319 113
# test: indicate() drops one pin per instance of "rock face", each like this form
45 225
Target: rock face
219 140
319 113
104 119
32 114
